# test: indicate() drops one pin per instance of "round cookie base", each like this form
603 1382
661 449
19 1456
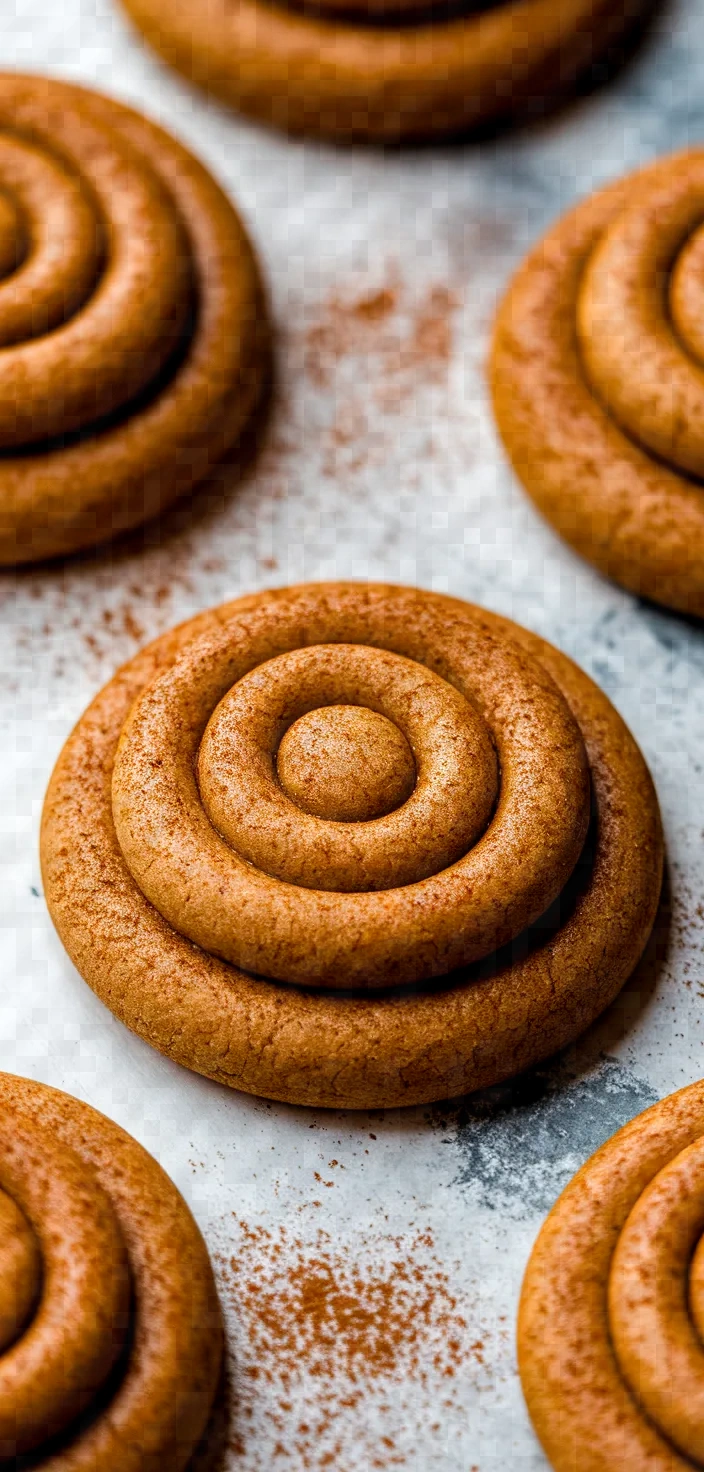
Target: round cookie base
346 1051
571 1378
639 521
85 489
344 80
174 1371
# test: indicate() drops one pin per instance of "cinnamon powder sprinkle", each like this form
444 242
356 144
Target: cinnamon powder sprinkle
335 1347
402 339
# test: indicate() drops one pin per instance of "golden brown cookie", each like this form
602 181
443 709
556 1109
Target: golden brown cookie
612 1312
110 1332
132 319
350 788
386 69
597 374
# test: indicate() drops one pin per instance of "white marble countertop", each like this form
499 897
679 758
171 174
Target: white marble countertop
380 461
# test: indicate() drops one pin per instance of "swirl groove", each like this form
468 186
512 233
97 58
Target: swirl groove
474 888
132 325
612 1310
598 380
110 1336
388 69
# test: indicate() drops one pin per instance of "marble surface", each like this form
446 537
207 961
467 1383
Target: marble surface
380 460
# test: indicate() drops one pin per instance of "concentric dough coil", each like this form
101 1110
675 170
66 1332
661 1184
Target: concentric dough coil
598 380
133 331
352 790
612 1311
110 1333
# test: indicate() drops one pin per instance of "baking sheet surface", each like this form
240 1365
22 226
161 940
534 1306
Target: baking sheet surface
370 1264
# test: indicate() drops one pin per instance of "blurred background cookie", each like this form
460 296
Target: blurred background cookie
612 1309
597 374
307 797
388 69
132 320
110 1332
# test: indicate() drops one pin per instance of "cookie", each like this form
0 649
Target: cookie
597 373
612 1310
132 320
387 69
110 1332
332 845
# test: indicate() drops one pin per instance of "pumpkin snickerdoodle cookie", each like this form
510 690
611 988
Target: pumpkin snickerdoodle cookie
132 319
597 373
386 69
356 845
612 1310
110 1331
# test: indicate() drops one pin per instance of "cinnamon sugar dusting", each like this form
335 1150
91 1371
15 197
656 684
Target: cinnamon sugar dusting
340 1346
403 340
687 925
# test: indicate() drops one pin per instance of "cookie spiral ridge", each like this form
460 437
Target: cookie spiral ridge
238 868
612 1311
387 69
598 380
110 1335
132 326
352 790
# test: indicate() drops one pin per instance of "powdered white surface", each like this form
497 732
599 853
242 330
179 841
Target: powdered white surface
380 461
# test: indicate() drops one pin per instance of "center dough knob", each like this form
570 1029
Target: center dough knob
346 763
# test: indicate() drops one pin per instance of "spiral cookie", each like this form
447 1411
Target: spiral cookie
612 1312
304 799
110 1335
386 69
598 380
132 320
